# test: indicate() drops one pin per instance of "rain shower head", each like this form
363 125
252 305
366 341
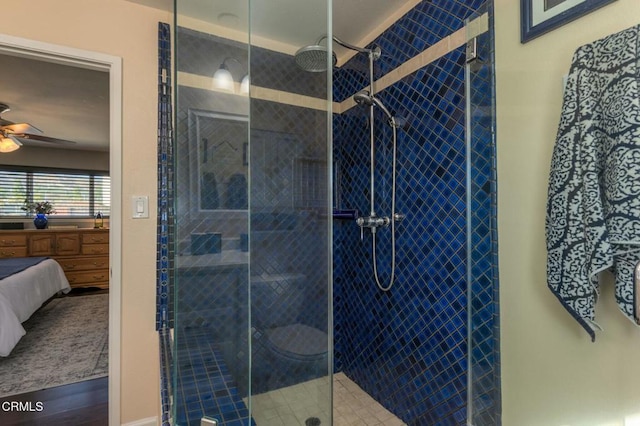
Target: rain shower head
313 58
364 98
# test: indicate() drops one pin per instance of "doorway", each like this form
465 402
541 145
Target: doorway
16 46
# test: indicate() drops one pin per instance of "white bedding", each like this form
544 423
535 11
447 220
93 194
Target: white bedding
21 294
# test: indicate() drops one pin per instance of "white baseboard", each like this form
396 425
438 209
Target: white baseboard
149 421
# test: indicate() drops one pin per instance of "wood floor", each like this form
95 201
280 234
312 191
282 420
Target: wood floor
77 404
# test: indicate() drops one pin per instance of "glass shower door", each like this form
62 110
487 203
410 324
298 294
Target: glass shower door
290 219
251 289
483 390
211 353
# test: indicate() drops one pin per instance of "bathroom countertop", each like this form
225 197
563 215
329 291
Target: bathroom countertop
227 258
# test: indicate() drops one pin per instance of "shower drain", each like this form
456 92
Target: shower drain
312 421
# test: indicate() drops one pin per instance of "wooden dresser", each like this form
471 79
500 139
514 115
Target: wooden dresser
82 253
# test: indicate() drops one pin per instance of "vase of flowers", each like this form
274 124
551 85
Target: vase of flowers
41 210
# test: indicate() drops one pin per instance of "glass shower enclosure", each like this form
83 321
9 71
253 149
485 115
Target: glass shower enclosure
252 300
252 276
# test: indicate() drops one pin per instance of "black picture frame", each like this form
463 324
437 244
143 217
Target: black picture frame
535 23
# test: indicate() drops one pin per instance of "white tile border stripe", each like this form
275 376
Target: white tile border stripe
424 58
427 56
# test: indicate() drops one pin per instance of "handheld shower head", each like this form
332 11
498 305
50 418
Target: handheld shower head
364 98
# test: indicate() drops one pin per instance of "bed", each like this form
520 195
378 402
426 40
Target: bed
25 284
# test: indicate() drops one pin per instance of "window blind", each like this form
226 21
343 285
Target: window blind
72 194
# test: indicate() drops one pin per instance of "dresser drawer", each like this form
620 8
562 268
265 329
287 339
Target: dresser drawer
88 278
95 238
13 240
13 252
84 263
95 248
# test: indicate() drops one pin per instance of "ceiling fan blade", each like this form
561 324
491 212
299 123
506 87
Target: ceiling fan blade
15 140
42 138
22 128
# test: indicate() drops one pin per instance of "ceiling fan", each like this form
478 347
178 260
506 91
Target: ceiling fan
14 135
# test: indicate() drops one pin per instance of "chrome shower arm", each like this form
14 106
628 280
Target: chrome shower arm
351 46
375 51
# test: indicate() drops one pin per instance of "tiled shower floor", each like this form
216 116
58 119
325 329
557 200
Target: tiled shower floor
296 405
205 387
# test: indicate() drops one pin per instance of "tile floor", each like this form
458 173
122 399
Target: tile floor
298 405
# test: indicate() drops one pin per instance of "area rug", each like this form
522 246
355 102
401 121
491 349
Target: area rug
66 342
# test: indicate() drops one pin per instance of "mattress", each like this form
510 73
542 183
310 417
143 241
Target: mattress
22 293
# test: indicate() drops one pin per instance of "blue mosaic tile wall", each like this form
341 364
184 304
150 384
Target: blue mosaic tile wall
408 347
422 27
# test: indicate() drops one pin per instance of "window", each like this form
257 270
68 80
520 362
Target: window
72 193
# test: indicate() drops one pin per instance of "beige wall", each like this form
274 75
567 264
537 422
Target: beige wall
62 158
127 30
552 374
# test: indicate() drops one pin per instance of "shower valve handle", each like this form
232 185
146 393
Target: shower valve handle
372 222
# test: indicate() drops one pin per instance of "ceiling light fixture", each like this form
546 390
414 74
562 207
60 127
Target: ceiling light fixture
223 80
9 143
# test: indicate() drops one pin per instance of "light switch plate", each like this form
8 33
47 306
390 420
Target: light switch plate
140 206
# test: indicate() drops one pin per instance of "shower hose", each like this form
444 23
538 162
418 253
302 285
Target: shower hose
392 121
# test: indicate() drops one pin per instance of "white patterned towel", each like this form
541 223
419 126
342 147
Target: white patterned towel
593 206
